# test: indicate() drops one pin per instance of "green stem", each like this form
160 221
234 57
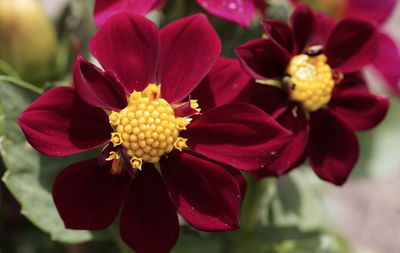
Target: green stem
114 231
256 193
21 83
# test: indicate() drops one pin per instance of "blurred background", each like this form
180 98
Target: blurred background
294 214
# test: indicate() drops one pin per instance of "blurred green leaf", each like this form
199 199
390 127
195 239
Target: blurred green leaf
6 69
29 175
191 241
298 201
293 240
278 9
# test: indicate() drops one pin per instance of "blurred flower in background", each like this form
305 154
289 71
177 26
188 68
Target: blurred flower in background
28 41
238 11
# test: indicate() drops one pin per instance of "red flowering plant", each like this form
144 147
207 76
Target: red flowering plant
237 11
162 153
318 94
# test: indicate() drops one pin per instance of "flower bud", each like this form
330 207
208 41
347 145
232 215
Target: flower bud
28 41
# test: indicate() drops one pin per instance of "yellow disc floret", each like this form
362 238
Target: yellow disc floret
147 128
310 81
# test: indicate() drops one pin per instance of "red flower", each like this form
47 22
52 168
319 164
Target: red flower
238 11
150 123
313 100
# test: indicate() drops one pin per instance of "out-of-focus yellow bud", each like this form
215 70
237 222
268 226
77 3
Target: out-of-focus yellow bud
28 41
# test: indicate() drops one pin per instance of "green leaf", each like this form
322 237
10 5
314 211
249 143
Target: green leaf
30 175
191 241
299 201
6 69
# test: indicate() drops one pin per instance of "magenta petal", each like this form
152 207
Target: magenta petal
352 45
263 59
149 223
97 88
225 83
359 109
238 11
280 32
387 62
303 22
289 157
239 135
206 194
333 147
128 45
370 10
105 9
59 123
189 49
88 196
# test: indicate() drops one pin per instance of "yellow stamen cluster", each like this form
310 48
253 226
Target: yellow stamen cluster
310 81
147 128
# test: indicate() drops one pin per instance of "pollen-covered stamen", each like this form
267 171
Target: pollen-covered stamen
180 143
116 165
113 155
311 81
147 128
136 162
116 139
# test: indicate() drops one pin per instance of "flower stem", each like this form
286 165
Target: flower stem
258 191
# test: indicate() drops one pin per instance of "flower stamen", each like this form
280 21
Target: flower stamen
148 128
311 81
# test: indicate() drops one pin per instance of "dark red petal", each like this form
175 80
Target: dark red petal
370 10
239 135
271 99
225 83
189 49
97 88
304 23
88 196
352 45
333 147
238 11
206 194
294 120
387 62
324 28
128 45
240 181
59 123
359 109
260 6
280 32
105 9
263 59
149 223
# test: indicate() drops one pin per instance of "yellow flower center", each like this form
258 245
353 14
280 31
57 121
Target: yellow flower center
147 127
311 81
